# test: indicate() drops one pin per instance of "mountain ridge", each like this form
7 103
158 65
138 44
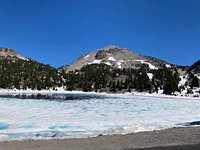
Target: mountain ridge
109 69
116 57
8 53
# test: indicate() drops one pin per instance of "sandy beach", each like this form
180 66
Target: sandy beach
183 138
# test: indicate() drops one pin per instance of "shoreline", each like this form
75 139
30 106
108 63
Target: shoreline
63 91
174 138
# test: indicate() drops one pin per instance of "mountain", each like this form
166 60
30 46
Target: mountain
17 71
195 67
109 69
118 58
8 53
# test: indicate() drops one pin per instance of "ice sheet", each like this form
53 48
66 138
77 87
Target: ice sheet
110 114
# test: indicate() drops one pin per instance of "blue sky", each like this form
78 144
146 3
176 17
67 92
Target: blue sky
57 32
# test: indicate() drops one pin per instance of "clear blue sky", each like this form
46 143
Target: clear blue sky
57 32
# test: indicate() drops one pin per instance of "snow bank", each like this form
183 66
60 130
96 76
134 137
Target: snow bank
111 59
95 62
150 65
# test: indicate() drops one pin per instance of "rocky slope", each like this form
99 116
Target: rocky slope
195 68
118 58
7 53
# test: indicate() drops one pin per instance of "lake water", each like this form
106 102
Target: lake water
83 115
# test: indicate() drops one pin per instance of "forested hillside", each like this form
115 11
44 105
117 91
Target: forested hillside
103 78
30 74
21 74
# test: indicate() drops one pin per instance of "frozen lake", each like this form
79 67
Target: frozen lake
82 115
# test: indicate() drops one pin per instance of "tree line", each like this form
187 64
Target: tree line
21 74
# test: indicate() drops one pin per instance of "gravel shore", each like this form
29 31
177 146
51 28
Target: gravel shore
187 138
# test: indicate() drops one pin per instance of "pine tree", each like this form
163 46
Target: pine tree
195 82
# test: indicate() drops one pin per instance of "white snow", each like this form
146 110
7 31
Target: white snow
197 75
150 65
118 114
183 80
167 65
111 59
108 63
150 75
95 62
86 56
119 64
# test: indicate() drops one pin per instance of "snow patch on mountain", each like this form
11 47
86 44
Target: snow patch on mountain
86 56
167 65
150 65
183 80
119 64
150 75
95 62
111 59
108 63
198 76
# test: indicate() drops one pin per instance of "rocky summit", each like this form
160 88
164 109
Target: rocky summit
8 53
118 58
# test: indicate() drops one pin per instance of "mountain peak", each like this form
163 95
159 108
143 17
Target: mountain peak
115 57
8 53
3 49
109 47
